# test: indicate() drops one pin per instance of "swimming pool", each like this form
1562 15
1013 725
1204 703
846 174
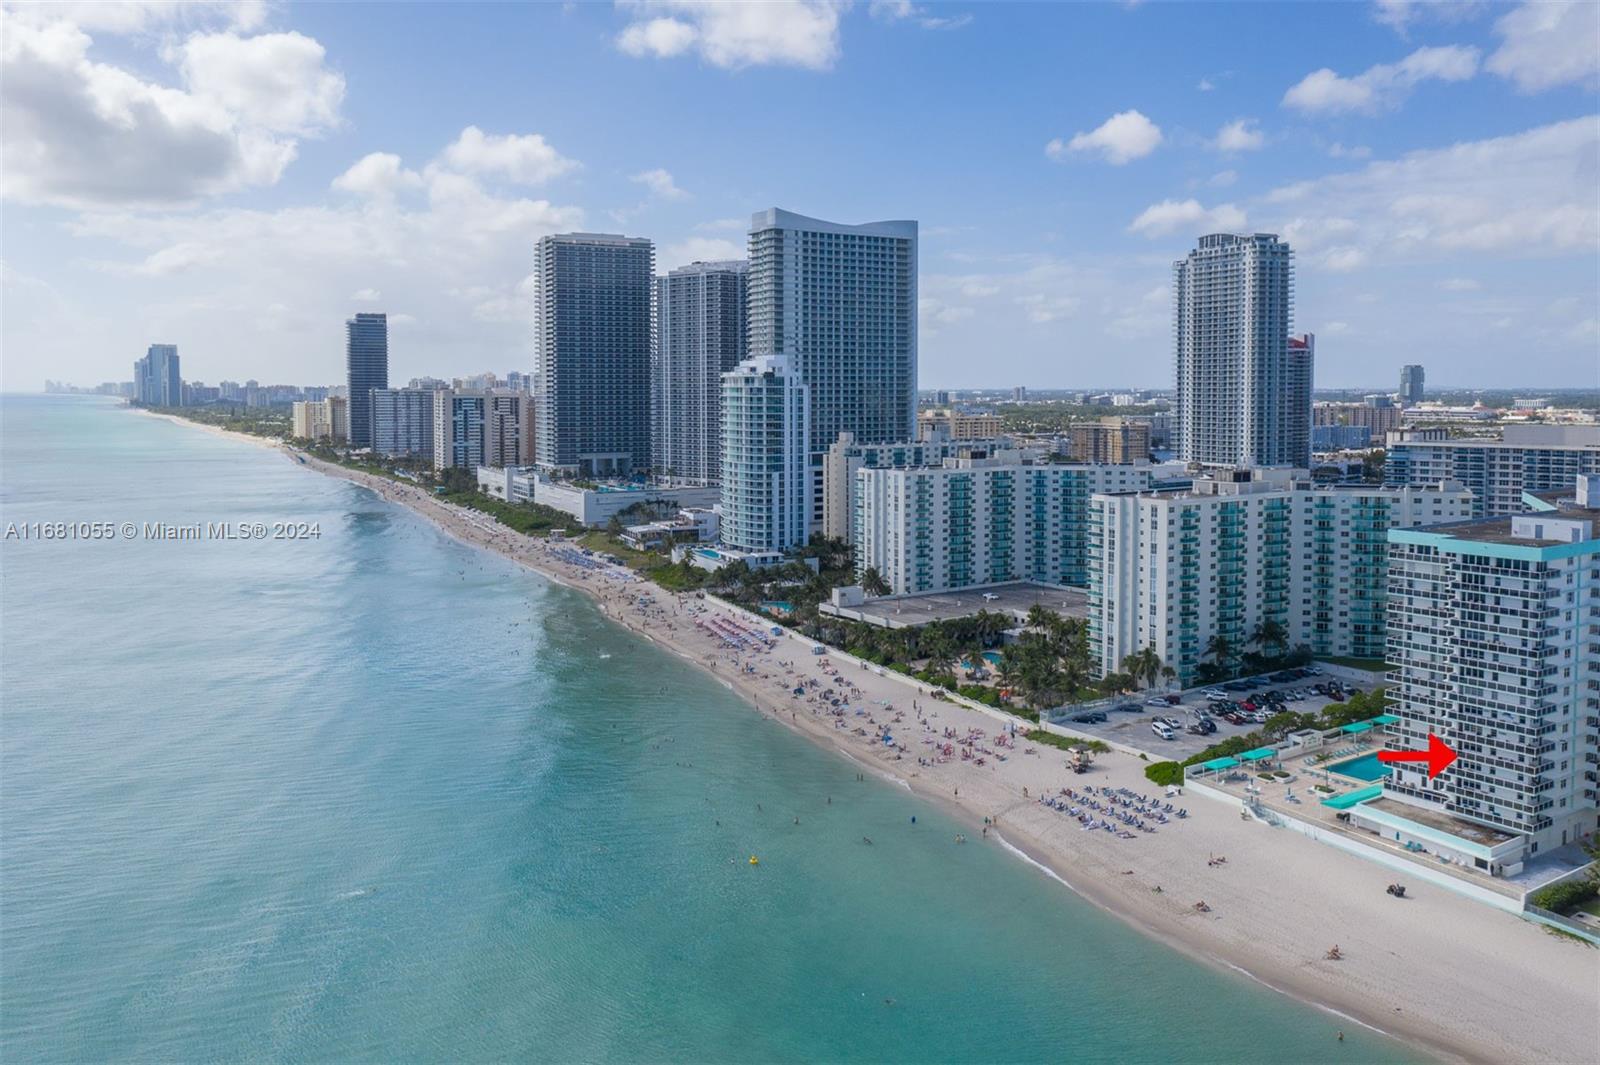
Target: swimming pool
1366 767
992 657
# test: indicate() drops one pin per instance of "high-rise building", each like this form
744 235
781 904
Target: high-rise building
844 457
156 379
841 302
1372 417
320 419
987 517
1526 458
508 430
1243 383
367 367
699 336
402 421
1492 636
1245 554
591 343
765 479
459 420
1411 380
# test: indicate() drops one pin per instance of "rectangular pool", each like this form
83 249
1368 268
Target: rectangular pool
1366 767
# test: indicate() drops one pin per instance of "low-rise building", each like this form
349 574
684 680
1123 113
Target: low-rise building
952 424
1111 440
593 504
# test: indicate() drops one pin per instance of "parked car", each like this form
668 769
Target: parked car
1162 730
1214 693
1156 700
1128 708
1170 722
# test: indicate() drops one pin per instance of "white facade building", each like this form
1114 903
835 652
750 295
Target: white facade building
458 429
765 476
402 421
596 506
1526 458
980 520
845 456
1494 633
1243 383
1175 569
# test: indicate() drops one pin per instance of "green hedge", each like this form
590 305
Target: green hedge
1564 897
1165 774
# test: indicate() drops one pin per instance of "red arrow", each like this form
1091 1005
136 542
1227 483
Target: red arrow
1439 755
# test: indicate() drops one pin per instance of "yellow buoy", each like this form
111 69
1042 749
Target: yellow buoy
754 860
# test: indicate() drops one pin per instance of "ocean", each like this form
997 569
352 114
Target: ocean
376 795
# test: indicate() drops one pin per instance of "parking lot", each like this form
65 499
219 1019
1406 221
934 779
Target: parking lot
1133 729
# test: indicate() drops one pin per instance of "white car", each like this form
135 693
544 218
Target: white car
990 597
1162 730
1157 700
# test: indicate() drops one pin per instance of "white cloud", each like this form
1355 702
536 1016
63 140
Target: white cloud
699 250
799 33
128 17
660 184
1123 137
1240 135
1458 284
723 224
377 174
932 312
366 295
1342 258
1548 44
906 11
526 159
275 81
1222 179
1383 86
1170 216
1334 328
1355 151
79 133
1205 85
1527 195
1398 15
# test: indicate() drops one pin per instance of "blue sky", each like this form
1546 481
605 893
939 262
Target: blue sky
239 179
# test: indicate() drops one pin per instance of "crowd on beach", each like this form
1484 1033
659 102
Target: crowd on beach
982 762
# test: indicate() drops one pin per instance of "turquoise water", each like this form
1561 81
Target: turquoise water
1366 767
380 797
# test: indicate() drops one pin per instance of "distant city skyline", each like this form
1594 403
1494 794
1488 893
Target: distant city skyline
282 171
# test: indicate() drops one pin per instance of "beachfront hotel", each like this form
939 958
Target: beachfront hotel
1175 568
1494 640
839 302
699 336
591 343
366 354
765 483
1526 458
846 455
982 517
1243 383
320 419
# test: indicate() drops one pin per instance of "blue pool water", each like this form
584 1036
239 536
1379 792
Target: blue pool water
1366 767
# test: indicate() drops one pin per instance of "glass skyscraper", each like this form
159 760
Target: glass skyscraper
699 336
592 345
156 379
367 364
1243 385
840 303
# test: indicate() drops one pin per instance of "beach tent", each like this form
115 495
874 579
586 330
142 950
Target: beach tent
1385 719
1257 755
1356 726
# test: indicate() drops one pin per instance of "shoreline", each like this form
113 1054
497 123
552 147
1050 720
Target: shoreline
1442 974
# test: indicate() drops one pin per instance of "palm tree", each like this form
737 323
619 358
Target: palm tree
1145 664
1220 649
1270 633
873 584
1042 619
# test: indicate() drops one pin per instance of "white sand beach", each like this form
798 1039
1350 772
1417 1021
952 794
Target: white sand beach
1453 977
